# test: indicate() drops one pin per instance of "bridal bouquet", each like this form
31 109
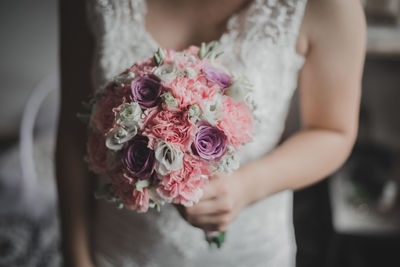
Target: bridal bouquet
167 123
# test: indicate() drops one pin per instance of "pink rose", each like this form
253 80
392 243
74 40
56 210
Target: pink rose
97 153
171 126
192 91
185 186
237 122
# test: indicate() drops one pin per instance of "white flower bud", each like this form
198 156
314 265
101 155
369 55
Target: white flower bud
228 163
166 72
140 184
130 115
169 100
212 110
194 113
190 73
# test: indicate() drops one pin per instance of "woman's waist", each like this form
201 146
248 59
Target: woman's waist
271 214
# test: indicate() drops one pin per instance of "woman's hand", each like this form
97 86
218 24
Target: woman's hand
222 201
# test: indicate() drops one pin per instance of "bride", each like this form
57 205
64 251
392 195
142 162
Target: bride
317 46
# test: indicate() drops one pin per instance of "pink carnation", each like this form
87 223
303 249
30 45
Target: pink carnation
187 59
237 122
142 199
124 188
192 91
192 50
143 67
171 126
97 153
170 56
185 186
182 59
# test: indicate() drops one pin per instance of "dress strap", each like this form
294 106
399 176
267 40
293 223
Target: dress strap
106 15
276 22
118 28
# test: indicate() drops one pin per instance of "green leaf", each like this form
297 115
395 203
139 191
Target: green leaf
157 207
159 56
202 51
219 54
212 47
216 240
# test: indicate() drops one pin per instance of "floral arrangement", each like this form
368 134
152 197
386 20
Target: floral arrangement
166 124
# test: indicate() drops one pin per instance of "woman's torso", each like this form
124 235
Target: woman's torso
260 42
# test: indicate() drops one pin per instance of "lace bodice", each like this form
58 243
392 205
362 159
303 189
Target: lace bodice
260 41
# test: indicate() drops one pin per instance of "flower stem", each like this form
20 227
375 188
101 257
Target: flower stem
215 239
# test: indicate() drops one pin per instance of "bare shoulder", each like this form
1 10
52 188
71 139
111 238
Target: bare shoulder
332 22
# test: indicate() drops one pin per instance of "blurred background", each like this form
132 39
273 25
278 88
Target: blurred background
350 219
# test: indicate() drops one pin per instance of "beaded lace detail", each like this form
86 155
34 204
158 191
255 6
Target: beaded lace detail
260 42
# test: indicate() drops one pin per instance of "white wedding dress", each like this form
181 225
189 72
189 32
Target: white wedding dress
260 42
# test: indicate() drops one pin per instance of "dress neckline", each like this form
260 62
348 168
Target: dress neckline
230 25
227 32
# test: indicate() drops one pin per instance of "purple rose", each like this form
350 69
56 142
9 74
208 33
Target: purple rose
146 90
138 158
217 76
209 142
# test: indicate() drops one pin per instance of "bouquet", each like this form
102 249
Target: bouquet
166 124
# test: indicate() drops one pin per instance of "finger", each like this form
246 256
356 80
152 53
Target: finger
204 207
208 222
211 227
210 207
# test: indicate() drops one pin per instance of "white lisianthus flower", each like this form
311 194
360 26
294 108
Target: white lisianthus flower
168 158
125 78
117 137
130 115
212 110
169 100
228 163
166 72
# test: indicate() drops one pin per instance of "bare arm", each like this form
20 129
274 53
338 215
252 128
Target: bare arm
330 86
73 180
